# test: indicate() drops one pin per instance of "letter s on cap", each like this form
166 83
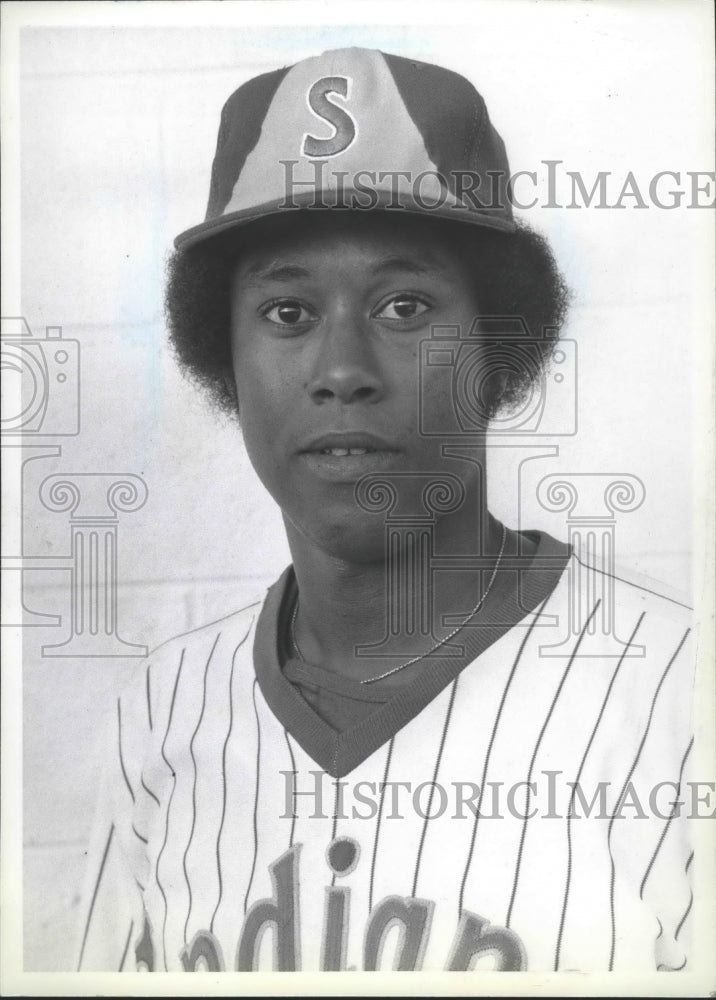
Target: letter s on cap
343 124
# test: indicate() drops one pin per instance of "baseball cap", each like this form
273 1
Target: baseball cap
359 129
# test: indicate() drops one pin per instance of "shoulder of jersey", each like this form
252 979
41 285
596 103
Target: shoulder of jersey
642 593
639 615
230 625
189 652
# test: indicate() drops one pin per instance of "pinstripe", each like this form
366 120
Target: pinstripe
574 790
626 782
136 832
377 825
119 740
688 910
256 795
193 790
557 693
94 896
486 765
169 805
426 820
294 772
148 790
149 699
223 776
683 919
650 866
126 947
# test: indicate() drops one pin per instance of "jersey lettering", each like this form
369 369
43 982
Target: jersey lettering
476 938
413 917
282 912
203 954
144 948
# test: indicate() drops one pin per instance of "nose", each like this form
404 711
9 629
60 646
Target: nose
346 367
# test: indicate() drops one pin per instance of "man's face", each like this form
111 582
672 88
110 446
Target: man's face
328 312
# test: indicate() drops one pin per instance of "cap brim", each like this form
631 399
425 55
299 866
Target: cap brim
312 200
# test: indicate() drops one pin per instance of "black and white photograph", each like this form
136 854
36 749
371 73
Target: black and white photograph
358 498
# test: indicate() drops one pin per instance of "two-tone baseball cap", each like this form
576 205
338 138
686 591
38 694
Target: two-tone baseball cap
356 129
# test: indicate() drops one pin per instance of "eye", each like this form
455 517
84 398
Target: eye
403 306
287 312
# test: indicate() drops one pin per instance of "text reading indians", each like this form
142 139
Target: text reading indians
475 937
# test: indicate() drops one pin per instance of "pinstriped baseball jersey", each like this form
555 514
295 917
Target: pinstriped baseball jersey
527 817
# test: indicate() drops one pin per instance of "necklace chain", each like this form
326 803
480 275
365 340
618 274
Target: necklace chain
441 642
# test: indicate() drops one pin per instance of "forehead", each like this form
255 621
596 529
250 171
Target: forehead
301 243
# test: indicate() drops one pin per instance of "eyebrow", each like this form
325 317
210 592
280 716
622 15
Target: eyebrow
278 270
395 262
275 270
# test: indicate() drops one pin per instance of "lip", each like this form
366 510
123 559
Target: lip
347 439
380 456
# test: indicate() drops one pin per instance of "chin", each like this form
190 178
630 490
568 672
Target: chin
356 549
353 537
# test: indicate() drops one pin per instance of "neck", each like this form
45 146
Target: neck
343 604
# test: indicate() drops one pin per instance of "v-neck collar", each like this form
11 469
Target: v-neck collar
338 753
